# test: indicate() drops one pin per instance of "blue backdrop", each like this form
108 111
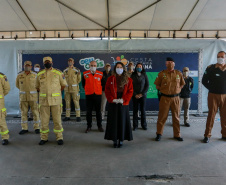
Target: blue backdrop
153 62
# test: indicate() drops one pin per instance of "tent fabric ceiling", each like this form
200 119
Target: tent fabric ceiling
30 15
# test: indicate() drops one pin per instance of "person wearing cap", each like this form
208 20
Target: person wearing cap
214 80
169 82
73 78
50 82
91 82
185 95
25 82
37 68
130 68
106 73
4 90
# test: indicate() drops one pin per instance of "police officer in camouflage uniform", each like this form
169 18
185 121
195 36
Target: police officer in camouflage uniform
4 90
50 82
25 82
73 78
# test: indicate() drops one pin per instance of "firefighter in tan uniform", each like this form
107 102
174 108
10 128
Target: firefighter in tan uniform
50 82
169 82
4 90
73 78
25 82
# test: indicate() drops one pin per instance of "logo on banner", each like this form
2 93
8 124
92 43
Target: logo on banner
120 59
85 62
147 62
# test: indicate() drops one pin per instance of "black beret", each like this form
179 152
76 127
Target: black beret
169 59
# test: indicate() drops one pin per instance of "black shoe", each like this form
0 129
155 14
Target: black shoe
179 138
224 138
120 144
158 137
88 129
5 142
66 119
30 119
37 131
139 118
78 119
187 124
134 128
101 129
144 128
206 140
23 132
60 142
42 142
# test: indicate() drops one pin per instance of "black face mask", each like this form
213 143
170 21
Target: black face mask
48 65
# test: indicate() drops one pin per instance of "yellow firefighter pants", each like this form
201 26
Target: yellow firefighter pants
56 111
75 96
3 127
24 107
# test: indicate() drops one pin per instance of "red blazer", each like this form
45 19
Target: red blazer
111 90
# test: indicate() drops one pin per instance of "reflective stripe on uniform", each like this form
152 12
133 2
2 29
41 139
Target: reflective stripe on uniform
68 109
61 105
24 121
41 72
74 85
3 133
4 109
1 76
77 109
42 95
33 92
22 92
61 130
56 94
57 72
99 74
0 96
78 94
44 131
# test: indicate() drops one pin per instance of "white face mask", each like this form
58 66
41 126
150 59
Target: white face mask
108 69
37 69
119 71
93 69
185 73
220 60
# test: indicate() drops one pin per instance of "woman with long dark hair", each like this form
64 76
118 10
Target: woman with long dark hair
140 88
118 91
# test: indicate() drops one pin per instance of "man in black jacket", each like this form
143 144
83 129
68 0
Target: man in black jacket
107 73
140 88
185 98
214 80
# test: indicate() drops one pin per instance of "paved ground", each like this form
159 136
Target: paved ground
88 159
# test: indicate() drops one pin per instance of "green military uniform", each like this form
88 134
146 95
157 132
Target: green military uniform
49 82
73 78
4 90
28 98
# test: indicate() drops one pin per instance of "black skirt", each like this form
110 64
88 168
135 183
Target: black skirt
118 123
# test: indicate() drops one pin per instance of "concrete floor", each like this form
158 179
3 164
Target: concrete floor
88 159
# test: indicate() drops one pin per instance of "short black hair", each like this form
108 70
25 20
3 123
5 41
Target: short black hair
143 70
169 59
221 52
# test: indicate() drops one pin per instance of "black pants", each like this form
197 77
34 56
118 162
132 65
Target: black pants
93 101
142 102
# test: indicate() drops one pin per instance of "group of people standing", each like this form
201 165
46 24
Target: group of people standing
41 91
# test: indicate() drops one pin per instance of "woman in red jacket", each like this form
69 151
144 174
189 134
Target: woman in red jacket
118 91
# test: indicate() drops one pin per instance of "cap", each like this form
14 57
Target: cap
107 64
185 69
169 59
71 59
47 58
36 65
28 62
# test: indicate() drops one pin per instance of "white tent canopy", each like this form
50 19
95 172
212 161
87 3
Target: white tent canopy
175 17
